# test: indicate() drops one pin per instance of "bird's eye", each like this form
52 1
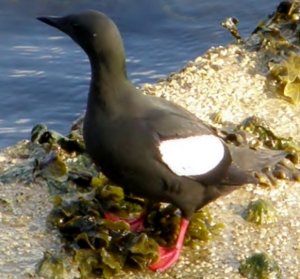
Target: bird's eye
74 24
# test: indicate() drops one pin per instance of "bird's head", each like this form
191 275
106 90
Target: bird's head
95 32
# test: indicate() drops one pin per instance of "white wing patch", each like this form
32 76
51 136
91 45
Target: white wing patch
195 155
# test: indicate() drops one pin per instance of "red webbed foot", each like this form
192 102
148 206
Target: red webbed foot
168 256
136 224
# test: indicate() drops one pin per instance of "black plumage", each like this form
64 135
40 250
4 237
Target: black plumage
123 131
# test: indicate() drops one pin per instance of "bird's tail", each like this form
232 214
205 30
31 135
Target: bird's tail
248 163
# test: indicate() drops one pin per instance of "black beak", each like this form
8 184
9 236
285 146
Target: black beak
54 21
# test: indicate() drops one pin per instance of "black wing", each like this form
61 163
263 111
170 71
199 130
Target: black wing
168 121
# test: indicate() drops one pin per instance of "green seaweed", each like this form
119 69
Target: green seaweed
262 135
84 229
256 134
22 172
279 32
279 43
102 247
72 143
163 223
88 262
143 250
81 196
231 25
260 266
6 205
51 267
110 263
52 166
288 76
202 228
260 212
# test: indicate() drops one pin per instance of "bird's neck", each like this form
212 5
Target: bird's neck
108 85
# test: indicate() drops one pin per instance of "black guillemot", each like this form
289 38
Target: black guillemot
151 147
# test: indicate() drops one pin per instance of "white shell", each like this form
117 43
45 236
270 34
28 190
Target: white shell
195 155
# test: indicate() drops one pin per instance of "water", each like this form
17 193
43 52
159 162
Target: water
44 75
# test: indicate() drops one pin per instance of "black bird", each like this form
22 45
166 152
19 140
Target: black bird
153 148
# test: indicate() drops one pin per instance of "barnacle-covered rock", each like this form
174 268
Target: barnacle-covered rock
260 212
260 266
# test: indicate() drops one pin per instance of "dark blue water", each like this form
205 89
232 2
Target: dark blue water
44 75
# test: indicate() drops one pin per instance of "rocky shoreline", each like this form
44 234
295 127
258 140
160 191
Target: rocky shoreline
225 85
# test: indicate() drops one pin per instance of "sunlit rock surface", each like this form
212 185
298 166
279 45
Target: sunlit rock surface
231 82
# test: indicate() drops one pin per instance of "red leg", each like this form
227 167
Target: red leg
136 224
168 256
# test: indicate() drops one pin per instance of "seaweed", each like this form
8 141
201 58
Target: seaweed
255 132
72 143
82 196
278 40
287 75
231 25
202 228
100 246
279 32
260 266
51 267
260 212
